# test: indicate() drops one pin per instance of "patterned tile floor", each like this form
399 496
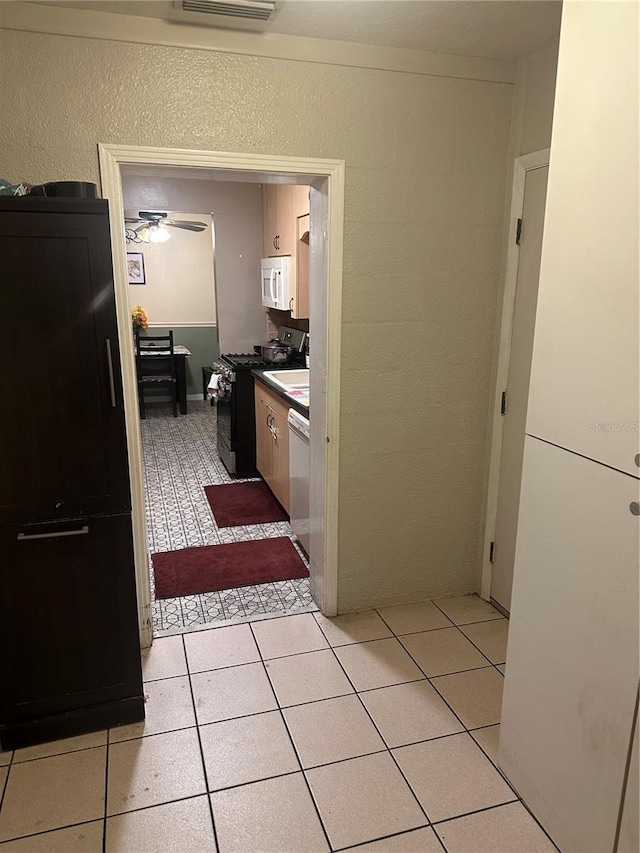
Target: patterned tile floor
373 732
179 460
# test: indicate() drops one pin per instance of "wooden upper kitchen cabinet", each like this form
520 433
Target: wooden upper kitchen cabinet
272 442
282 204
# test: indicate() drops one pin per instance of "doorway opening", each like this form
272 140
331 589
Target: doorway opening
327 199
513 375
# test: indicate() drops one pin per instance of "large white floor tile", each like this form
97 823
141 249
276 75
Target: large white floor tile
451 776
307 677
490 638
332 730
363 799
289 636
164 659
246 750
273 816
467 608
353 628
58 747
441 652
153 770
506 829
53 792
168 707
475 696
184 826
235 692
220 647
377 664
408 713
409 618
84 838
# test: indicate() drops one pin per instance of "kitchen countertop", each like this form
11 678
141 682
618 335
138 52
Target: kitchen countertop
258 374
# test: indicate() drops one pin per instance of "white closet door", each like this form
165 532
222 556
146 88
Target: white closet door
584 379
572 658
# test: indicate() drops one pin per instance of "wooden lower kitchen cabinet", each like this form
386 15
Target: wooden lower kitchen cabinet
272 442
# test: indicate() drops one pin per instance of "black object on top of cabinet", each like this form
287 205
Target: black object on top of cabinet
65 452
69 646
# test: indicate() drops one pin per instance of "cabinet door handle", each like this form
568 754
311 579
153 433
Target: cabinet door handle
56 534
112 387
275 241
291 304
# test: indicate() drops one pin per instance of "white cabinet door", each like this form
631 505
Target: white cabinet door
584 379
572 658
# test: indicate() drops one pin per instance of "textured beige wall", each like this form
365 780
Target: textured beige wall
539 72
426 159
179 285
237 218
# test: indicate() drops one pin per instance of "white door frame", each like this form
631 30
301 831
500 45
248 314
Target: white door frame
523 164
325 353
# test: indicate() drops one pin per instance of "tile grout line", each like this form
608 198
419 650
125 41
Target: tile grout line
466 728
380 735
53 829
460 720
293 745
106 790
353 848
202 758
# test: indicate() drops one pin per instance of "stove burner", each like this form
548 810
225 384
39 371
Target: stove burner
243 359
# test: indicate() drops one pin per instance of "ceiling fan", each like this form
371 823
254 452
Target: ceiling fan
152 227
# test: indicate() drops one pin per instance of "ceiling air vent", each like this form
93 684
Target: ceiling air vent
253 10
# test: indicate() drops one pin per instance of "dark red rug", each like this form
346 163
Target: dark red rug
235 504
209 568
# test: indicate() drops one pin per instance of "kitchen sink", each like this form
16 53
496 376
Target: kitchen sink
290 380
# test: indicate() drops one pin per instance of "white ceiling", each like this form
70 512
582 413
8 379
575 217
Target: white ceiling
496 29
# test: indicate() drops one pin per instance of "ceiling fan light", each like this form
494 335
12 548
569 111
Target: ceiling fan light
143 233
158 234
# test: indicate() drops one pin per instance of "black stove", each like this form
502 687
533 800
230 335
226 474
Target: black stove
243 359
236 404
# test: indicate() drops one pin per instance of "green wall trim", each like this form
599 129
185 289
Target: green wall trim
202 341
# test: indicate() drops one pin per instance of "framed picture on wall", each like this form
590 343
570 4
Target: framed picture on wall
135 267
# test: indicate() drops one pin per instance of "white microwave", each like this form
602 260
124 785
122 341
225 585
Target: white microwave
276 283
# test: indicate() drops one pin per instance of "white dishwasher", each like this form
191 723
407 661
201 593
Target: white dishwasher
299 476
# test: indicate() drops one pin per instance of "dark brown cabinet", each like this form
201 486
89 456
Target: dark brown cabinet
69 647
61 384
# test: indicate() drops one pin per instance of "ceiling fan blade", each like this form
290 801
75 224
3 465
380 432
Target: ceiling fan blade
185 224
127 219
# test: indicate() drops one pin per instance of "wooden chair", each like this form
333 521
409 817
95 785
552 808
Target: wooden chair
156 367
